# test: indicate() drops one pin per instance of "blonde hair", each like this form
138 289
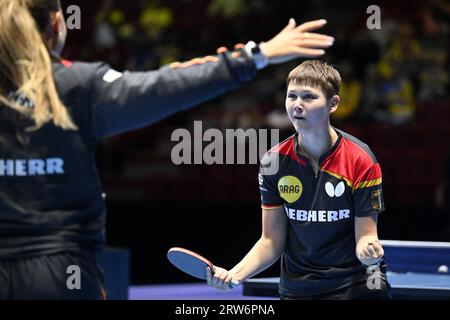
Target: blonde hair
25 63
317 73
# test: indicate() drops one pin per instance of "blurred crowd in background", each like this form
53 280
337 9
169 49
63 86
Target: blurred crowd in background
394 97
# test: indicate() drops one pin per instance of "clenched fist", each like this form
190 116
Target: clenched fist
369 251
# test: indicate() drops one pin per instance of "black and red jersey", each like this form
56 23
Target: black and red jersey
321 207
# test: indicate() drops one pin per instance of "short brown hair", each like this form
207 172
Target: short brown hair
317 73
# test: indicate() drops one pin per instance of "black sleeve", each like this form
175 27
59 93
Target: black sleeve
368 193
268 180
121 102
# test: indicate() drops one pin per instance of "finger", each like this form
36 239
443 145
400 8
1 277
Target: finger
228 279
214 276
215 282
370 250
220 284
218 279
378 249
223 276
365 253
313 43
317 36
223 280
208 275
290 25
373 246
305 52
375 243
311 25
217 272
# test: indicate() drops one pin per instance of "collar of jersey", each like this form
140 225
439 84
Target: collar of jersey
324 156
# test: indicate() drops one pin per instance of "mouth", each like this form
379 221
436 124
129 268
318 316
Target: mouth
299 118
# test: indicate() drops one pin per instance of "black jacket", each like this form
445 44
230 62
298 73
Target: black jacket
50 194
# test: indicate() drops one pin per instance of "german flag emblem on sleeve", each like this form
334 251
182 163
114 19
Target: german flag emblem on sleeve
376 199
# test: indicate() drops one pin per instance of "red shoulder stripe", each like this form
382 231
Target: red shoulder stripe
287 148
352 164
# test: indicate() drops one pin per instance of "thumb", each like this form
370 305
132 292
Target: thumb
291 25
208 274
213 269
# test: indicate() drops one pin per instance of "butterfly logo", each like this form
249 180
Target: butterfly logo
335 191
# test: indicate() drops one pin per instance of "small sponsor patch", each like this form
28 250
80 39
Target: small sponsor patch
111 76
376 200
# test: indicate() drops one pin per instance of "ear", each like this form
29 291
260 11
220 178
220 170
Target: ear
55 16
333 104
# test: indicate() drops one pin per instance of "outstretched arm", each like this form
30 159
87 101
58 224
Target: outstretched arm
126 101
264 253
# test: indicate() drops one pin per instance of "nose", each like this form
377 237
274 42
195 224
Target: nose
298 108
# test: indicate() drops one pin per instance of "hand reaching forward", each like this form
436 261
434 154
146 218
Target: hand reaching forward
296 42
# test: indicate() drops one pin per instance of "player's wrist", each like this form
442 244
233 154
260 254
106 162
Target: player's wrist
366 263
257 54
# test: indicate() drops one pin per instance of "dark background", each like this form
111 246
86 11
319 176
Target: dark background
395 98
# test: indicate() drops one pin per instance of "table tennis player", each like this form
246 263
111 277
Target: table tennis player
320 206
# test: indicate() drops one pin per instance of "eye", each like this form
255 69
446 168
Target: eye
309 96
292 96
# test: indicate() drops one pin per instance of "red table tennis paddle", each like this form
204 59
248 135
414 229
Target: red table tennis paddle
192 263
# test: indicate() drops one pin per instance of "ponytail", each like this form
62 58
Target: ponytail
25 65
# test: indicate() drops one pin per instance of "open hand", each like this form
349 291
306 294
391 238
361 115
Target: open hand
296 42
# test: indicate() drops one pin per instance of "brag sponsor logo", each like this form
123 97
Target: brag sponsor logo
290 188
